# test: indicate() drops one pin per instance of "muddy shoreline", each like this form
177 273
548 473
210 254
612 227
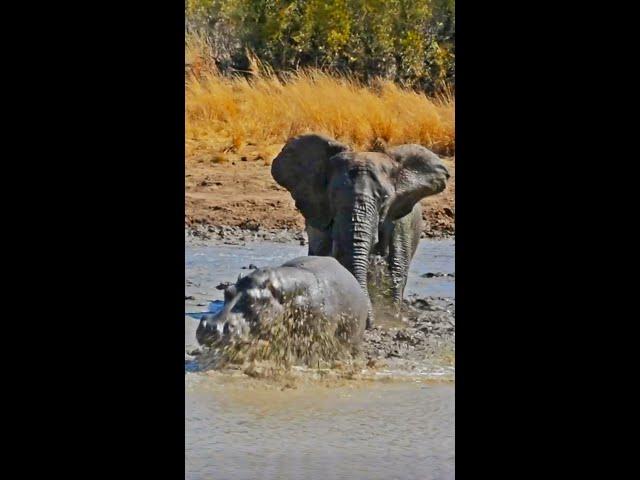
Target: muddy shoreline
422 344
235 235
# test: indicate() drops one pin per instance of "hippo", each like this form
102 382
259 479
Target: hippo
318 286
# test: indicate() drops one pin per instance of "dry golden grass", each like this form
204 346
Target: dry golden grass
226 113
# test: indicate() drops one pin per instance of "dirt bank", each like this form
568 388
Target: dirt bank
225 190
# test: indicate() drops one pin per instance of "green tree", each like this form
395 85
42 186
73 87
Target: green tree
410 41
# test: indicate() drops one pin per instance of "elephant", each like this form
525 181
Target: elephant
318 286
358 204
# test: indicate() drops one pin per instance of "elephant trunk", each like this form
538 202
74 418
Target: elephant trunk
361 244
360 267
357 233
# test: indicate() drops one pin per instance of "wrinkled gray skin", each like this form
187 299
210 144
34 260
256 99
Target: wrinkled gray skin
318 286
357 204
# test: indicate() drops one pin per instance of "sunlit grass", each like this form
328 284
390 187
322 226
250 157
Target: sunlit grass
227 113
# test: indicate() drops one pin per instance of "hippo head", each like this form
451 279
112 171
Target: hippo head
253 299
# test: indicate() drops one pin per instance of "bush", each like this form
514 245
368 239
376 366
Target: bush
408 41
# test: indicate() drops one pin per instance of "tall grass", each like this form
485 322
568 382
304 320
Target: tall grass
226 112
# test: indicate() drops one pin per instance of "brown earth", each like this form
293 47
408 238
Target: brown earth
236 189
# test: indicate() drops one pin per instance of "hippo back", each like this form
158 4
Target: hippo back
337 289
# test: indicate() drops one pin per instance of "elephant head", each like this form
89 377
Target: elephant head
349 196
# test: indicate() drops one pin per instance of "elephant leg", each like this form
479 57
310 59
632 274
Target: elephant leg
402 247
320 243
370 317
398 267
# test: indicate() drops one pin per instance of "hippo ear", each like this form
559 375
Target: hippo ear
230 292
302 167
420 173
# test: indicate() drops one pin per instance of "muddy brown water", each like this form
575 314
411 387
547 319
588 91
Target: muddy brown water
241 428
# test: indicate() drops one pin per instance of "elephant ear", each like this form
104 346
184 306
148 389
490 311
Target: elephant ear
420 173
302 167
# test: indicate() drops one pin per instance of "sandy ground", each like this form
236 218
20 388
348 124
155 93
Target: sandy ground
237 190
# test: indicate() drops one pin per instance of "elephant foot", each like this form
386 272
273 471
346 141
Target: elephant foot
369 324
